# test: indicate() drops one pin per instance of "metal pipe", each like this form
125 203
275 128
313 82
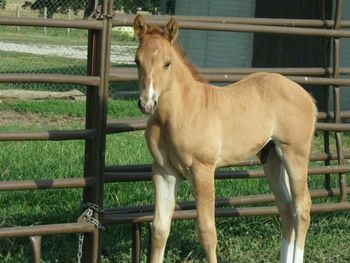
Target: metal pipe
325 126
330 115
131 74
120 72
195 25
254 161
128 176
68 228
136 243
222 202
47 184
49 78
35 241
58 135
127 20
219 212
336 99
40 22
127 125
99 60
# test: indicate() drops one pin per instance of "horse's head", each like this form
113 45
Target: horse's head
154 60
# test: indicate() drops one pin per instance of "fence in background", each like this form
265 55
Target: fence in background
97 79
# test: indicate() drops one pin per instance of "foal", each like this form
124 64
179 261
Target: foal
195 127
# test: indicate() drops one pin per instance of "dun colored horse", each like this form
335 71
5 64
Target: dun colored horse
195 127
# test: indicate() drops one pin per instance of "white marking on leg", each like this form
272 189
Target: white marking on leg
298 255
287 250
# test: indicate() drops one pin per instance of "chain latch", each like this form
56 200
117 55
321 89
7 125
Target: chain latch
88 216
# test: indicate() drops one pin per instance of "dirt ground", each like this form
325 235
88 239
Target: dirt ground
8 118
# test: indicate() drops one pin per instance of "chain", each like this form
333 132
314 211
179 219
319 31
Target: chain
93 206
88 216
80 247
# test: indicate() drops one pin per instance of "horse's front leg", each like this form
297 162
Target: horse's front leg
166 182
203 183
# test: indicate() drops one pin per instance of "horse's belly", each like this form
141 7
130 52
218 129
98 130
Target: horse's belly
242 147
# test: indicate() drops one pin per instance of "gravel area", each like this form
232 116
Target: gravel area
123 54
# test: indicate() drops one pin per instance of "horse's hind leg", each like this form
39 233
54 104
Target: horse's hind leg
295 158
278 181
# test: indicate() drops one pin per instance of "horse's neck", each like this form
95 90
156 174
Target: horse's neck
179 95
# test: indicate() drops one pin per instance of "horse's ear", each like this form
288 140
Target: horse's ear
172 29
140 27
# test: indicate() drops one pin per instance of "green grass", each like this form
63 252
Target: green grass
35 35
252 239
17 62
116 108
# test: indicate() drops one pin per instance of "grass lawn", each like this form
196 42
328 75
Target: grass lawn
17 62
253 239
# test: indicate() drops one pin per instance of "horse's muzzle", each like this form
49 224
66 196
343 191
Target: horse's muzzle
147 108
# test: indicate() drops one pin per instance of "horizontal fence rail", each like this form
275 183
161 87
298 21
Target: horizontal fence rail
111 218
127 125
41 22
222 202
49 78
127 20
130 74
256 28
47 184
128 176
54 135
69 228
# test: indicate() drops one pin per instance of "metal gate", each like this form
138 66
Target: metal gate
97 80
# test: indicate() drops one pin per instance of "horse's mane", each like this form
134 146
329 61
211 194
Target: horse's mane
156 30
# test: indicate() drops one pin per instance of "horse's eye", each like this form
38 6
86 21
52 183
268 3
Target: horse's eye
167 65
137 62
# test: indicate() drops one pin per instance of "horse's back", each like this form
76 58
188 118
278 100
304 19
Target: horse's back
277 92
293 108
265 106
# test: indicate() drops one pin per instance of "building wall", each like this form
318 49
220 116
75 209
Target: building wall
345 59
344 62
217 49
228 49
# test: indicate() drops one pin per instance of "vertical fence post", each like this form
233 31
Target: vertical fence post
325 95
136 241
45 17
69 17
336 100
36 248
17 15
96 118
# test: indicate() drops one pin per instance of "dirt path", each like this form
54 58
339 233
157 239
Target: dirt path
8 118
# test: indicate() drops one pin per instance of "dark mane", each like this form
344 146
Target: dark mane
156 30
